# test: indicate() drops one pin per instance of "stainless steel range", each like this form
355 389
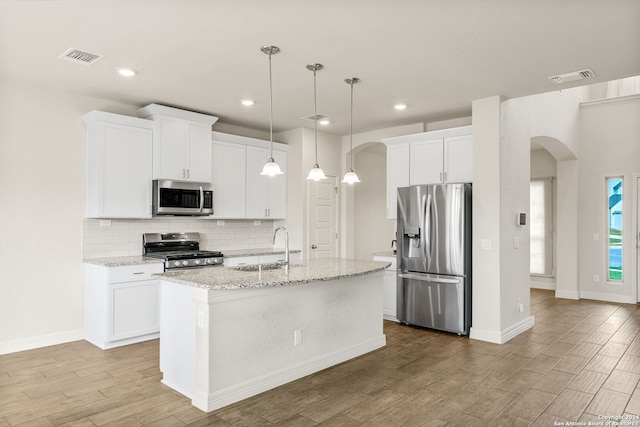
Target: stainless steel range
179 250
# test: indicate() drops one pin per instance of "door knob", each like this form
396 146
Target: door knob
314 247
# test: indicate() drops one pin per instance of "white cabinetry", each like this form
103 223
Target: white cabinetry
118 166
266 195
239 190
436 157
229 178
181 143
121 304
389 306
397 174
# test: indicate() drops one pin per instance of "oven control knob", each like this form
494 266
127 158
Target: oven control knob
197 262
209 261
177 263
185 263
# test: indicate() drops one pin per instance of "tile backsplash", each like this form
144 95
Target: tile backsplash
123 237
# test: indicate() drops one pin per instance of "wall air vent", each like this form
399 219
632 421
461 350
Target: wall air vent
571 77
80 56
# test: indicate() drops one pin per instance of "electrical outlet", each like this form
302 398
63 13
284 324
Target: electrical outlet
297 337
220 222
256 222
596 278
520 305
105 223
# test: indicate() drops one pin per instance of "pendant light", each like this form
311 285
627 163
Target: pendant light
315 173
351 177
270 168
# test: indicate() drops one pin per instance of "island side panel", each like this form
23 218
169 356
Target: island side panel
177 337
248 342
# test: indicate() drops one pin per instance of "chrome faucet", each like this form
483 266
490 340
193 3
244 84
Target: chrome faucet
286 246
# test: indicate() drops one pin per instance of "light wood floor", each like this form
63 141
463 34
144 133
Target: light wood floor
580 361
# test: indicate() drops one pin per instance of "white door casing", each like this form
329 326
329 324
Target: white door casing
322 234
636 222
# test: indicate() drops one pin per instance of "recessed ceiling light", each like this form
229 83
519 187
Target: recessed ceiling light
400 107
127 72
247 102
324 122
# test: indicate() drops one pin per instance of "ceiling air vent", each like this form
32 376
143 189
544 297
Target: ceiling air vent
571 77
80 56
312 117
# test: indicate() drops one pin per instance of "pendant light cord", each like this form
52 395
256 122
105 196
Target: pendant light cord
270 107
315 113
351 128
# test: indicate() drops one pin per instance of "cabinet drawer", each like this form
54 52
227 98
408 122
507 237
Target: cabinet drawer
134 273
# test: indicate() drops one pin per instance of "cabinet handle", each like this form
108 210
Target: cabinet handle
187 173
139 272
184 175
445 176
314 247
440 176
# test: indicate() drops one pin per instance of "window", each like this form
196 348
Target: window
614 226
541 227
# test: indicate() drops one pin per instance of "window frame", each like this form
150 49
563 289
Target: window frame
552 233
608 217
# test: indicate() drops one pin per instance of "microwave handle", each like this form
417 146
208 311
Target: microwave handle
201 198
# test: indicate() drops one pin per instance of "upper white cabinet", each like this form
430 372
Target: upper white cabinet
118 166
181 143
229 178
266 195
397 174
239 191
436 157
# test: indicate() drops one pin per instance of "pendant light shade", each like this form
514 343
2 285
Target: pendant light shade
316 173
351 177
270 168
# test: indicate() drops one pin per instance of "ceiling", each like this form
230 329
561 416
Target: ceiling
436 56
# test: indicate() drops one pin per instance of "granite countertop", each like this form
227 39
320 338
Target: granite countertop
306 271
139 259
123 261
385 254
234 253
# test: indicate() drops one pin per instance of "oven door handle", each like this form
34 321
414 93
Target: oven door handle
201 198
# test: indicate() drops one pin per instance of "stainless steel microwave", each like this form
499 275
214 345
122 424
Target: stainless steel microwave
182 198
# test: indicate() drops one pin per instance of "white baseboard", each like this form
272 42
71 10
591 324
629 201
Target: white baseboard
501 337
237 392
542 285
567 294
41 341
601 296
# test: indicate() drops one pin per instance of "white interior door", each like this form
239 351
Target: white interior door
322 232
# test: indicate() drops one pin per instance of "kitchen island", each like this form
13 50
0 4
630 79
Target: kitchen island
230 333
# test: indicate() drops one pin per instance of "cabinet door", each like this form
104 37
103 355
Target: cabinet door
277 207
426 162
120 184
134 309
458 159
169 149
257 185
199 152
229 178
397 175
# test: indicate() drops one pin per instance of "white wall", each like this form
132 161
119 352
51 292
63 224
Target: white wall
42 194
373 231
609 146
543 164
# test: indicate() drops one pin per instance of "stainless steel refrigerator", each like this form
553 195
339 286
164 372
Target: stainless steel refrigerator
434 256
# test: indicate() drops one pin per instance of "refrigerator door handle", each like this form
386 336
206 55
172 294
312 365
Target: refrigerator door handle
426 222
428 278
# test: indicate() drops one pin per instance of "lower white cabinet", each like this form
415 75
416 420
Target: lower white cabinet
389 307
121 304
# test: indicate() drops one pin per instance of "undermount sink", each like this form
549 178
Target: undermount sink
260 267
